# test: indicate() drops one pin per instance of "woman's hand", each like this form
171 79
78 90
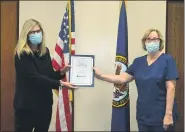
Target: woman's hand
97 73
67 84
167 121
65 69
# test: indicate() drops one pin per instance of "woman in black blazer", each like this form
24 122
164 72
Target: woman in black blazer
35 79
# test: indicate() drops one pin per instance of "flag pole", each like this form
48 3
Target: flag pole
71 92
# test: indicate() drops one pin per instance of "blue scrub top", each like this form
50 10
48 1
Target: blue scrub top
151 87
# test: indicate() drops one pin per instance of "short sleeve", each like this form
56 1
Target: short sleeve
171 70
132 68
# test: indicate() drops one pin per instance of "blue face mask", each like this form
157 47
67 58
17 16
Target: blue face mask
35 38
152 47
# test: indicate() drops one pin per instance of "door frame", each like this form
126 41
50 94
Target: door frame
180 124
4 125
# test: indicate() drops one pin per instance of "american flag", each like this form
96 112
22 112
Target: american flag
64 47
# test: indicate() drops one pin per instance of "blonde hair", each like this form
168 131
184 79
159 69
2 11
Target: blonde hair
147 33
22 45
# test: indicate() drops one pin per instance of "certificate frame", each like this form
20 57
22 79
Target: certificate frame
92 75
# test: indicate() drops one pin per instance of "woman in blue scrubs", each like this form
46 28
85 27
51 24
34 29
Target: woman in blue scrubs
155 75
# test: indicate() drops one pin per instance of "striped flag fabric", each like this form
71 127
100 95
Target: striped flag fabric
65 46
120 106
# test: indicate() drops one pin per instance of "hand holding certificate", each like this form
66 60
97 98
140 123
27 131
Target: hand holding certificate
81 72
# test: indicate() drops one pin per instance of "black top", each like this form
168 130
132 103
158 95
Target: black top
35 79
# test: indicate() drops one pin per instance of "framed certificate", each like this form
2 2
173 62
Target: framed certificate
81 72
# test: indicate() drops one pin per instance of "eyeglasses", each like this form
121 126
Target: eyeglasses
152 40
36 31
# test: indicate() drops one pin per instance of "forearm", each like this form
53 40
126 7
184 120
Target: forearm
58 75
44 80
112 78
170 100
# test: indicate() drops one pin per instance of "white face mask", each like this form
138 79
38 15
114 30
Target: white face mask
152 47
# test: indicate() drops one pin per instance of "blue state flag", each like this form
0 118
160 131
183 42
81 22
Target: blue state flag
120 106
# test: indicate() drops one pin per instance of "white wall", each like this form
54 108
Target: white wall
96 33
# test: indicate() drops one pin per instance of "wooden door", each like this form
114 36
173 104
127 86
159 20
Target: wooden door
175 47
9 33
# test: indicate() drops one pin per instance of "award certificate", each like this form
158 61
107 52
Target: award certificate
81 72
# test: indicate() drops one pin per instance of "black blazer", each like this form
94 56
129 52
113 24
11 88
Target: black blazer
35 79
